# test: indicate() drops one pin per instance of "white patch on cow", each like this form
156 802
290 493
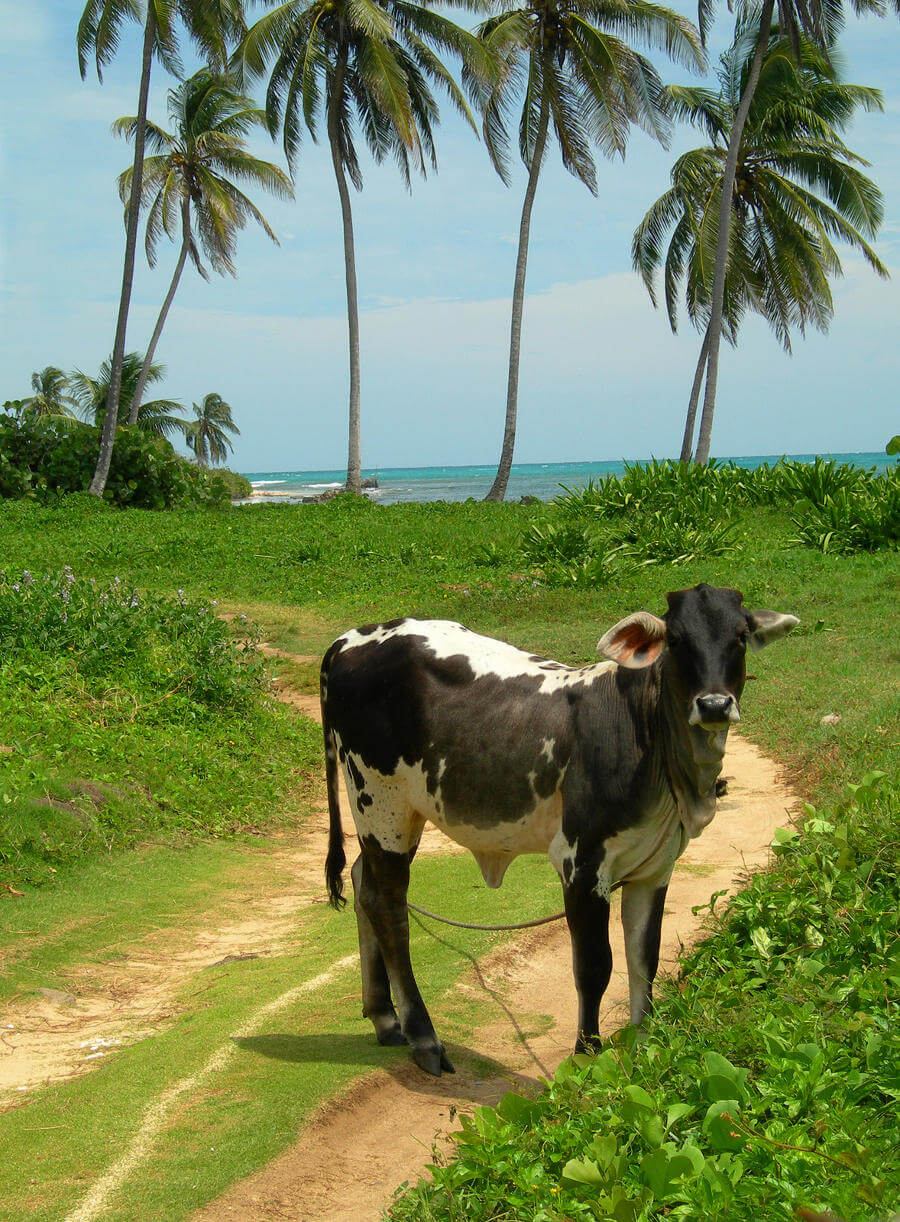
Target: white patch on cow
561 852
646 851
548 746
485 655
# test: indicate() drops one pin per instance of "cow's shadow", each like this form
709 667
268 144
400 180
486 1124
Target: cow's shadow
475 1071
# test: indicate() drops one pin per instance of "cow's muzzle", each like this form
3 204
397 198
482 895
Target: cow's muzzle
714 709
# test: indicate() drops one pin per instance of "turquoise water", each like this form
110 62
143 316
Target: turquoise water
541 480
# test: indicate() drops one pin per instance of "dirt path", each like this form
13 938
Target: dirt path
360 1146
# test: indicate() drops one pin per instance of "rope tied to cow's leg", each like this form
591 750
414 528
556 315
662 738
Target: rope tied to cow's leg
557 916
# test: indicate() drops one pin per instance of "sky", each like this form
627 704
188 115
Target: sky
602 377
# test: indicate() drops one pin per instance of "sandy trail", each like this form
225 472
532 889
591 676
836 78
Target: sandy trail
361 1145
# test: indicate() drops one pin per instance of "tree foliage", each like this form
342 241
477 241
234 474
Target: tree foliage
798 190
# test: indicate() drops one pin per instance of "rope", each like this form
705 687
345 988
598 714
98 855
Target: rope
557 916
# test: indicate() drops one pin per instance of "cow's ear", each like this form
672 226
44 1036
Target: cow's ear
635 641
768 626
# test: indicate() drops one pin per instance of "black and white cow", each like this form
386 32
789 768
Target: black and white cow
609 769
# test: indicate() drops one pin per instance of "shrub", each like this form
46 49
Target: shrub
46 458
693 490
666 536
862 517
237 486
170 653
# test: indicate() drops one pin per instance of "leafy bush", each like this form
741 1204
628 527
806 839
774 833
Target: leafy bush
124 715
767 1082
549 543
865 517
237 486
677 511
45 458
693 490
668 537
174 655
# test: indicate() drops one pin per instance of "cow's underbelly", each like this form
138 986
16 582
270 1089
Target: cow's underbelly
394 809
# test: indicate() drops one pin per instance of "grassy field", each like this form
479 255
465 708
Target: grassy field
117 765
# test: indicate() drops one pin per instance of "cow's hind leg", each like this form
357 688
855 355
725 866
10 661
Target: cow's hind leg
383 884
376 987
587 912
642 913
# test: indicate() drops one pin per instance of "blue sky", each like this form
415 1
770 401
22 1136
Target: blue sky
602 377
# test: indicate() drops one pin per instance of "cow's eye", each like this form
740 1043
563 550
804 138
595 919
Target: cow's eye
744 636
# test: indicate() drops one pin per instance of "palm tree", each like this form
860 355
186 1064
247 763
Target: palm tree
192 171
820 22
790 157
93 396
52 394
368 60
210 23
571 62
206 436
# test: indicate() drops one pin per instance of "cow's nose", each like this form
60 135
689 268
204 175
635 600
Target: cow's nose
715 708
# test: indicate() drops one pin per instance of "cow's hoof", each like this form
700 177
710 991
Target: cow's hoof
390 1037
591 1044
433 1060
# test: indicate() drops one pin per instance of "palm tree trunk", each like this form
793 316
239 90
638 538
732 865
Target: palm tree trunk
354 459
108 433
724 235
163 313
687 442
501 479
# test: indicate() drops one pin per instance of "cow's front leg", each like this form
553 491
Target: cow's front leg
642 913
587 912
384 882
376 988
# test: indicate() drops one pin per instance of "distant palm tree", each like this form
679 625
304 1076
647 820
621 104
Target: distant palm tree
820 22
571 64
92 396
210 24
193 171
797 187
207 435
368 60
52 394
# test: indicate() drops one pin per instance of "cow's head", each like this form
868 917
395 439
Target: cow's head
702 639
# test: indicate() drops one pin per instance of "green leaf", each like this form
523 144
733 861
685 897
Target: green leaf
583 1171
715 1087
761 940
719 1125
516 1108
638 1095
605 1149
677 1111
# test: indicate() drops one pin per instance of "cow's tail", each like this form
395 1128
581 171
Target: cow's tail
336 858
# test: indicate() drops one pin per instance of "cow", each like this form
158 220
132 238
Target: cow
609 769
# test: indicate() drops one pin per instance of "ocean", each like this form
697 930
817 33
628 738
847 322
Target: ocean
541 480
